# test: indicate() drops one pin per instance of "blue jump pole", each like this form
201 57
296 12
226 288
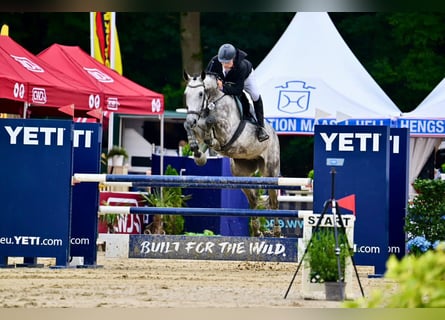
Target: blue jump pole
196 181
200 211
211 186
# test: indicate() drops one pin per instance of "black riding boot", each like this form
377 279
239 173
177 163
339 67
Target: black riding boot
261 132
246 107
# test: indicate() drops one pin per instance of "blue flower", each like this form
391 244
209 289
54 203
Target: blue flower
418 245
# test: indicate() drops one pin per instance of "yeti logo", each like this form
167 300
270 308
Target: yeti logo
294 96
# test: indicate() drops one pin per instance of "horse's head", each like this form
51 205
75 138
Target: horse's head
194 97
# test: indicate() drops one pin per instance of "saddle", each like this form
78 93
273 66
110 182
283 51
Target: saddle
245 107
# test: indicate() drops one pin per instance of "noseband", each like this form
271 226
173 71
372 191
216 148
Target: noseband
206 105
203 100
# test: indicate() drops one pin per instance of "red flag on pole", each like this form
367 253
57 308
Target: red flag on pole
96 113
68 109
348 203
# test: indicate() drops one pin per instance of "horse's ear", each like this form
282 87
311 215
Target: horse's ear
185 75
203 75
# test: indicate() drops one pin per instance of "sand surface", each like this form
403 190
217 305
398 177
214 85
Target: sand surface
146 283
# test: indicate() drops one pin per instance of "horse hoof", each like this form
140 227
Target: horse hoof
200 161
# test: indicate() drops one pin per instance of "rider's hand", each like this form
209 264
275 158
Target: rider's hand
220 84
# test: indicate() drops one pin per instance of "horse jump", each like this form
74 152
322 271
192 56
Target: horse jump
196 182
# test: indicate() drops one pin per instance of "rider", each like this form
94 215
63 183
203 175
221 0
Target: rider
232 66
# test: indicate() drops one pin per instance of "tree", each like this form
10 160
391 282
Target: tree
402 51
190 30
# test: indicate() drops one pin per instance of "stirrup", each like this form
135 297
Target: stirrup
262 134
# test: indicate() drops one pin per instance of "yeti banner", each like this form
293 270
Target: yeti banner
352 164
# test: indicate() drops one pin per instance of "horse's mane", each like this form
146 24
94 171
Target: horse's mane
215 74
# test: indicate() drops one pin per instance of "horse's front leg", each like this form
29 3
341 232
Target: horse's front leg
193 142
198 149
209 136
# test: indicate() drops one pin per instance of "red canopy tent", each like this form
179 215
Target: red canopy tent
27 81
121 95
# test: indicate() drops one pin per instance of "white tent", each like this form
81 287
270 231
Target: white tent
431 107
427 128
311 74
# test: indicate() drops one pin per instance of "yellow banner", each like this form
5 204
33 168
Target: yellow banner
105 40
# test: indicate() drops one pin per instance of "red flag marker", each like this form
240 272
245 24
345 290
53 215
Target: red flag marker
96 113
68 109
347 202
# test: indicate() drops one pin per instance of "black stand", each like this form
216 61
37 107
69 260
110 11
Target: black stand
334 208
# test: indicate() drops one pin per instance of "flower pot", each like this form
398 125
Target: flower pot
117 161
335 291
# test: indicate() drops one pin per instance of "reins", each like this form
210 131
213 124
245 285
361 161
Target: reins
209 106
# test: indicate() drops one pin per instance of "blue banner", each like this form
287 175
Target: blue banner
292 125
36 169
398 189
352 162
423 127
87 149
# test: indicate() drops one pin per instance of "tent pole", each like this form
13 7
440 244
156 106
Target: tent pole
25 110
92 31
112 41
110 130
161 166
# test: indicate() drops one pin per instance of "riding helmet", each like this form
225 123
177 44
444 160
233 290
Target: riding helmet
226 53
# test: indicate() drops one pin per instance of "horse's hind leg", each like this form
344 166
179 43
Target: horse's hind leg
273 204
271 168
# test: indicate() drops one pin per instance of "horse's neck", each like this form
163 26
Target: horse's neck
215 94
226 103
227 116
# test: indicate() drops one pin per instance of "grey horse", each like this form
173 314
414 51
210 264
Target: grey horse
214 121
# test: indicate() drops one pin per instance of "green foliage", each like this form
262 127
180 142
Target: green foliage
110 219
297 154
399 48
169 197
186 151
206 233
311 174
426 214
402 51
419 283
322 257
117 151
173 96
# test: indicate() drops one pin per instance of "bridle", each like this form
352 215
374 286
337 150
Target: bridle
206 105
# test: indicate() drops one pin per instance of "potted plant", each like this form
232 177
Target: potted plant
323 263
118 155
168 197
108 221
